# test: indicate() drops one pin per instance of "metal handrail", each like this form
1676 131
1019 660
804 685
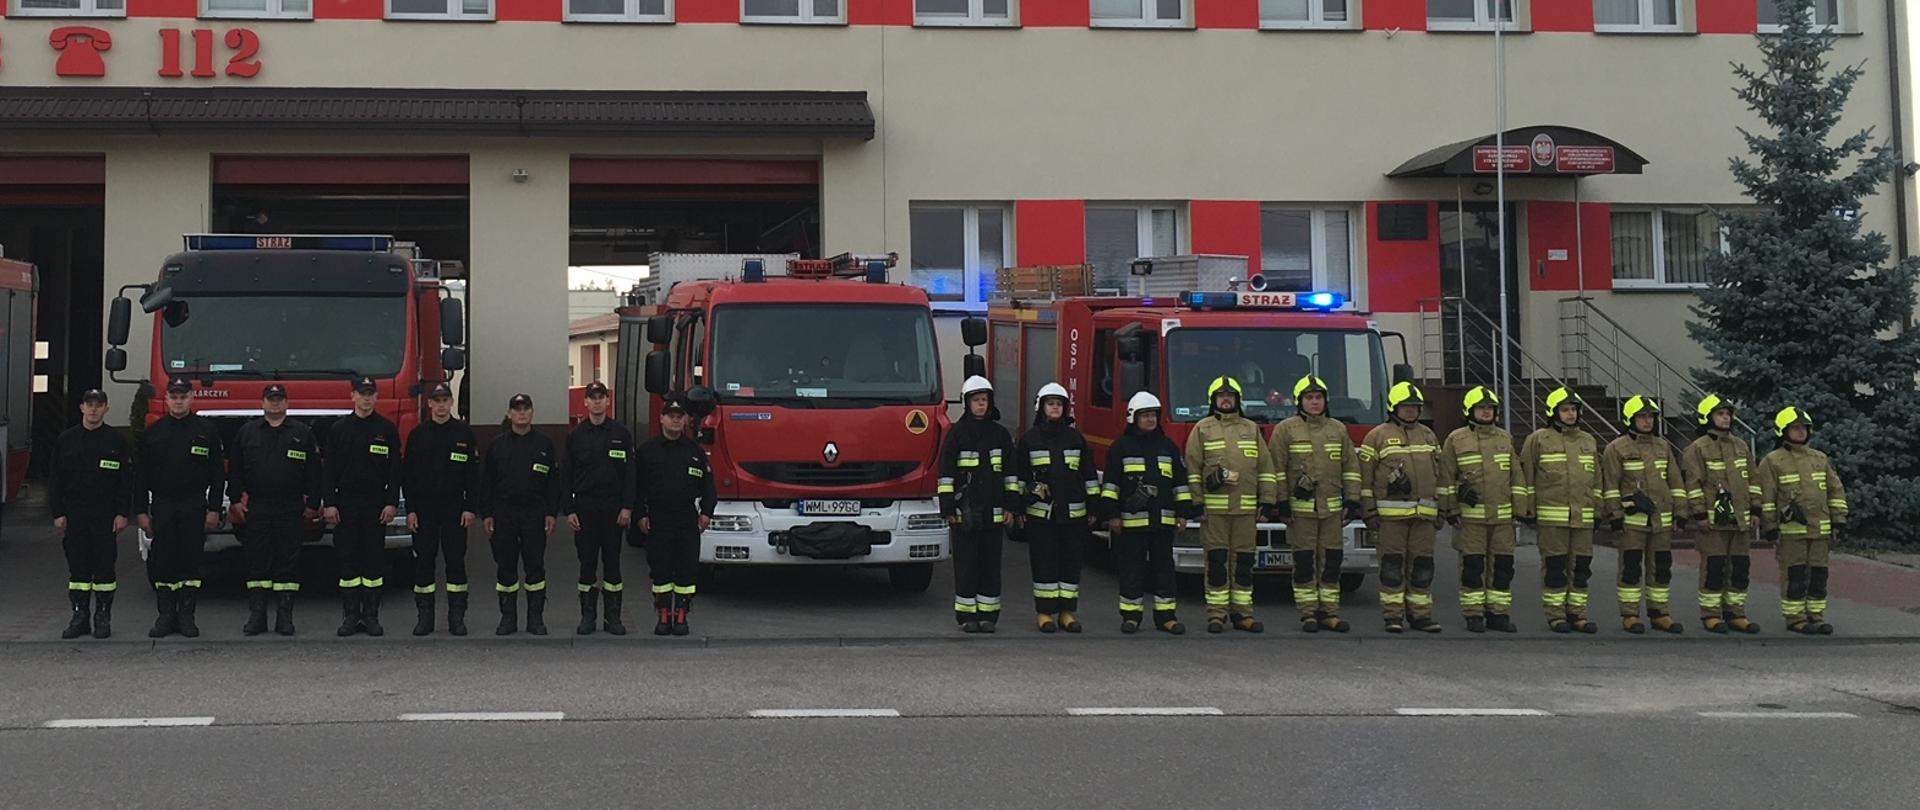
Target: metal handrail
1639 368
1469 313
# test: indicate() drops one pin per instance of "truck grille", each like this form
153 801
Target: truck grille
851 474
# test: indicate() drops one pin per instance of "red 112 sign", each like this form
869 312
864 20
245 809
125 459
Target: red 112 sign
83 50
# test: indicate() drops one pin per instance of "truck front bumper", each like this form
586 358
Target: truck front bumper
751 533
1272 550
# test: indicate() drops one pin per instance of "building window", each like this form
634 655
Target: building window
793 11
620 10
1470 14
1116 235
439 9
1140 13
1826 13
1305 249
1668 247
1636 15
257 9
1305 14
963 12
69 8
958 249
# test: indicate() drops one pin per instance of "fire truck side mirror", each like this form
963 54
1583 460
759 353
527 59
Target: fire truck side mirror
175 313
1402 372
974 366
660 331
701 401
116 360
453 358
973 332
657 372
1130 375
119 322
453 324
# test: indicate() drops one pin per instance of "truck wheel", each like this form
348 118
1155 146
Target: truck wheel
1351 582
911 577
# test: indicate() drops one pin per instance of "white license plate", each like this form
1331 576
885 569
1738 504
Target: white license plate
1272 558
829 508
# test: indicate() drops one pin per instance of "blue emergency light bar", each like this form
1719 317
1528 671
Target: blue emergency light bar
245 241
1320 300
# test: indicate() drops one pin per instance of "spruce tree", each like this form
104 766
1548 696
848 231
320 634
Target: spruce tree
1804 308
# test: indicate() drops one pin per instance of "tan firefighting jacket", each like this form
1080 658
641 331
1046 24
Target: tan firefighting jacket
1230 442
1641 464
1315 453
1718 464
1477 460
1560 478
1799 476
1409 454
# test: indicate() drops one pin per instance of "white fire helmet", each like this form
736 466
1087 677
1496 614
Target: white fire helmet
1050 390
1142 401
975 385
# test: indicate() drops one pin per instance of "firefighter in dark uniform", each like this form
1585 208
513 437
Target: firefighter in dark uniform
979 490
1144 500
363 496
520 502
90 492
183 469
441 477
599 505
675 501
1057 482
274 485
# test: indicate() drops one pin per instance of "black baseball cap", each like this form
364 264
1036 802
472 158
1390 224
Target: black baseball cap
274 391
365 385
441 391
179 385
596 389
675 404
94 395
519 401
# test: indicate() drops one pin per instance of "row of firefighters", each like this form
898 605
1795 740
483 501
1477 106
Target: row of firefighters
278 480
1405 484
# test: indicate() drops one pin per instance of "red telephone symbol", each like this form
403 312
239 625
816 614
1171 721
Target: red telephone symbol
80 47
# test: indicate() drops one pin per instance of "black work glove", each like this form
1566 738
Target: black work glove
1617 524
1354 512
1700 518
1216 480
1530 521
1469 495
1270 512
1454 521
1754 510
1282 510
1770 534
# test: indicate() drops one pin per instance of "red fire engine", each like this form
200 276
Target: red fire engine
234 313
820 402
17 288
1106 348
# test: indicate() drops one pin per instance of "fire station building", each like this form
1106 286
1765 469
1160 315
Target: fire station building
1337 144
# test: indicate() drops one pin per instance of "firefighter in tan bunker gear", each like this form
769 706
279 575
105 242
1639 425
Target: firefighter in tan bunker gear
1478 486
1802 504
1643 496
1399 491
1318 483
1227 462
1723 498
1560 495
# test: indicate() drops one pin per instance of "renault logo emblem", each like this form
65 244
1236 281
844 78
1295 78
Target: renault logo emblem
831 453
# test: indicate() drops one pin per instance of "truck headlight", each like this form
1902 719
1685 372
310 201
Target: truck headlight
926 522
730 523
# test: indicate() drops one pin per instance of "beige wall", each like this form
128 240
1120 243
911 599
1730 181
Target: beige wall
607 341
989 115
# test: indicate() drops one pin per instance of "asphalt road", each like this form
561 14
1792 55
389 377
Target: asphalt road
965 724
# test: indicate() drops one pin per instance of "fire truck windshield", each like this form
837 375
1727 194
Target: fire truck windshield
815 355
1267 362
288 336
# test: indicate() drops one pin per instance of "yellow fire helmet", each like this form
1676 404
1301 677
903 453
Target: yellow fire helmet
1306 384
1222 383
1790 416
1479 395
1562 396
1709 404
1637 404
1405 393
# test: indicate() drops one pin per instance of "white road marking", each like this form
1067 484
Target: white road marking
1786 715
795 713
130 722
448 717
1419 712
1146 711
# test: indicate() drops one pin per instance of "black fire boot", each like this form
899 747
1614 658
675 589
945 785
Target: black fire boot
1476 624
349 612
370 612
663 610
588 607
509 614
457 613
256 612
1424 624
186 601
283 615
102 614
1501 623
537 612
423 613
610 612
680 606
165 623
80 623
